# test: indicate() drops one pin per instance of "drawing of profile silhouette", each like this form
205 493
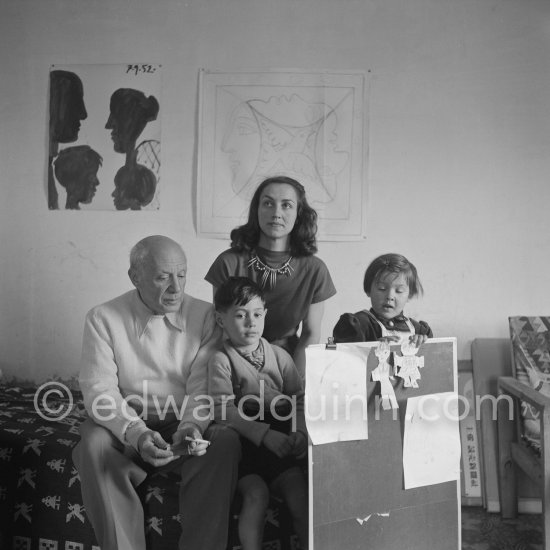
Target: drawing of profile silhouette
280 135
130 111
67 109
76 170
135 187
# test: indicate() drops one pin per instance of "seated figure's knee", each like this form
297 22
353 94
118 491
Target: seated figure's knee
94 440
254 491
224 439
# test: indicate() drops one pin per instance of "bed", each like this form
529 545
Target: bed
40 500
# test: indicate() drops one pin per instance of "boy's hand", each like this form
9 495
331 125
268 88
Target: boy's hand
182 447
154 450
298 441
417 339
277 443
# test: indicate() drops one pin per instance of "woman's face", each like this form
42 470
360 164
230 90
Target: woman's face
277 213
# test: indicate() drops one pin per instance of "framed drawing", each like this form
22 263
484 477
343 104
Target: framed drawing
309 126
104 137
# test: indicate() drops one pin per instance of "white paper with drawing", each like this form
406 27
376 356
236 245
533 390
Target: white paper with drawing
431 444
336 394
308 126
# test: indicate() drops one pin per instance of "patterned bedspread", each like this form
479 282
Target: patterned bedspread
40 501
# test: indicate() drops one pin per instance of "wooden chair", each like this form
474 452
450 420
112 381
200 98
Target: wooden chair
524 428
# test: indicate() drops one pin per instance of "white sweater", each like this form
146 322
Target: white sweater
161 360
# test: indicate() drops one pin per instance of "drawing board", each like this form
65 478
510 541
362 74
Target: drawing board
357 494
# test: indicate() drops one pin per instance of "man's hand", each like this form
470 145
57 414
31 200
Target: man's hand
277 443
180 446
154 450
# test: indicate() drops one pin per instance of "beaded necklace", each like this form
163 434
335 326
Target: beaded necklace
269 274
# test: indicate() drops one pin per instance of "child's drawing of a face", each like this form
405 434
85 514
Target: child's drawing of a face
382 352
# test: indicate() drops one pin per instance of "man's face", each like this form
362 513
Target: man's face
161 279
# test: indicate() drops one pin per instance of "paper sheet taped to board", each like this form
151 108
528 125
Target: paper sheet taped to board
431 445
336 394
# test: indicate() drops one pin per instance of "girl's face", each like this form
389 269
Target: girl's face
277 213
389 294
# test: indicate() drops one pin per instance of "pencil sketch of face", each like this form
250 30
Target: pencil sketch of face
331 157
286 135
241 142
289 128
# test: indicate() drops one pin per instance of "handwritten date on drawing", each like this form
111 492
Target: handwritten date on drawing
140 68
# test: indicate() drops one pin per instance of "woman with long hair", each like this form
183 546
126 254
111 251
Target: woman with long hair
276 248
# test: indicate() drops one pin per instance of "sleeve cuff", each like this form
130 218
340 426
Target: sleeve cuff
133 432
258 437
200 424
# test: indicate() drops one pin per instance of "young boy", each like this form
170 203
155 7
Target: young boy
258 392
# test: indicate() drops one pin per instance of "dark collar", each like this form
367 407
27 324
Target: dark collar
399 322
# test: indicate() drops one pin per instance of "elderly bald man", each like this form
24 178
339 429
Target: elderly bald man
143 377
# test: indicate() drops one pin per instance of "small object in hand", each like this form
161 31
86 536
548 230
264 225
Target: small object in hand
185 449
196 440
181 449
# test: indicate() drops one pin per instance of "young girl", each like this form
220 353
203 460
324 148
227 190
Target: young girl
390 281
276 249
258 392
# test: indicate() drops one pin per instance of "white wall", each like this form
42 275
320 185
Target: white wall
459 153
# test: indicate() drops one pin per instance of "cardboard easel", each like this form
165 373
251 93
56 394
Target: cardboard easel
357 495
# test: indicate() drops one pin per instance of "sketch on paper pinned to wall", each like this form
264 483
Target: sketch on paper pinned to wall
308 126
104 137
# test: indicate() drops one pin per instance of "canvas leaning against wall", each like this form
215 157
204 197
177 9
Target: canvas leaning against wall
309 126
104 137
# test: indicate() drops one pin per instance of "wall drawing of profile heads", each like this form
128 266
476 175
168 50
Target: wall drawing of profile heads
67 107
130 111
135 187
76 170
